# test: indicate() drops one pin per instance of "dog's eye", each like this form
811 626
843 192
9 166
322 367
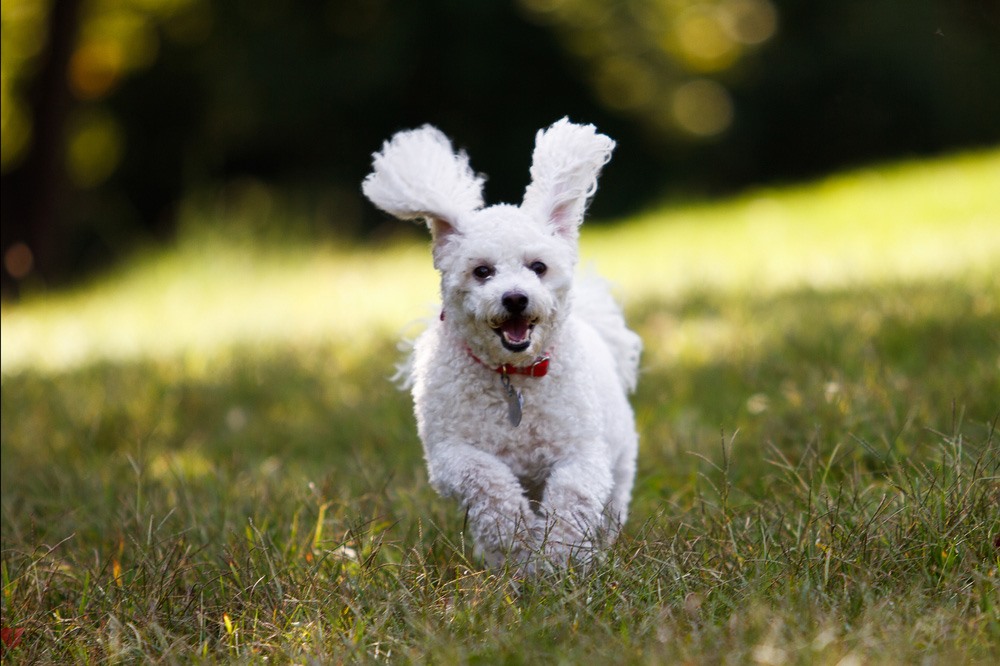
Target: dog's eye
538 268
483 272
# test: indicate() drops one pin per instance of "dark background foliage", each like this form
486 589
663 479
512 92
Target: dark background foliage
296 95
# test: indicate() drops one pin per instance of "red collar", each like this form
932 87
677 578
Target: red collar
539 368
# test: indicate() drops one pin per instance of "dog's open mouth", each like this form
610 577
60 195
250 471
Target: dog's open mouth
515 333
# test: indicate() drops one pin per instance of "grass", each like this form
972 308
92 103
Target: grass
203 458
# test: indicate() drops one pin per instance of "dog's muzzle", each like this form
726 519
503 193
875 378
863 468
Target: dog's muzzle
515 331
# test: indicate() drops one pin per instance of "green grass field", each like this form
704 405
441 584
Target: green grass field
204 459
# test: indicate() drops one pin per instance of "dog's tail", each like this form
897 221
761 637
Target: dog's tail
595 304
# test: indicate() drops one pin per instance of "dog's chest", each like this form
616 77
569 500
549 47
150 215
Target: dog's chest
461 401
530 449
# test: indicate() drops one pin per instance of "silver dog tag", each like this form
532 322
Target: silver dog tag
514 401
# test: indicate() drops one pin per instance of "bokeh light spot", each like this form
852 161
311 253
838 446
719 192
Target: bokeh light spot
705 44
95 69
623 83
18 261
95 149
703 108
749 22
15 130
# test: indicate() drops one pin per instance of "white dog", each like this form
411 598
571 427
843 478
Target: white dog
520 388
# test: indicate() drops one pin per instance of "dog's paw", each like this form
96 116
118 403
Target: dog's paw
501 539
573 537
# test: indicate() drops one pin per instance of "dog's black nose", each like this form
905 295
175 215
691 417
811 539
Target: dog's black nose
515 302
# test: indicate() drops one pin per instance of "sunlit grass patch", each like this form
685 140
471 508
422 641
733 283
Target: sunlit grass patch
913 221
910 221
206 296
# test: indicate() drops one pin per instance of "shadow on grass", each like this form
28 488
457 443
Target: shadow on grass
871 371
233 434
284 472
875 373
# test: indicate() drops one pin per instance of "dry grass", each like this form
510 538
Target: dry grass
203 458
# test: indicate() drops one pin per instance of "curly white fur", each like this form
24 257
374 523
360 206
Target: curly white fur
417 173
564 169
555 487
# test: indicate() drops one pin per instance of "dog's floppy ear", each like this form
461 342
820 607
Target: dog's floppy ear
564 169
418 175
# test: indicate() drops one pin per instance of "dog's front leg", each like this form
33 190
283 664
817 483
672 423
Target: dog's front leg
501 521
576 495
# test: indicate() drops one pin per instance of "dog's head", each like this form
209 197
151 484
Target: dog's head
505 270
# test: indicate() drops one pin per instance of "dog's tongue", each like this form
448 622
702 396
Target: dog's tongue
516 330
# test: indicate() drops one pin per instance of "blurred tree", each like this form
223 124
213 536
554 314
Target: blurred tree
61 61
33 130
652 59
114 111
769 89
